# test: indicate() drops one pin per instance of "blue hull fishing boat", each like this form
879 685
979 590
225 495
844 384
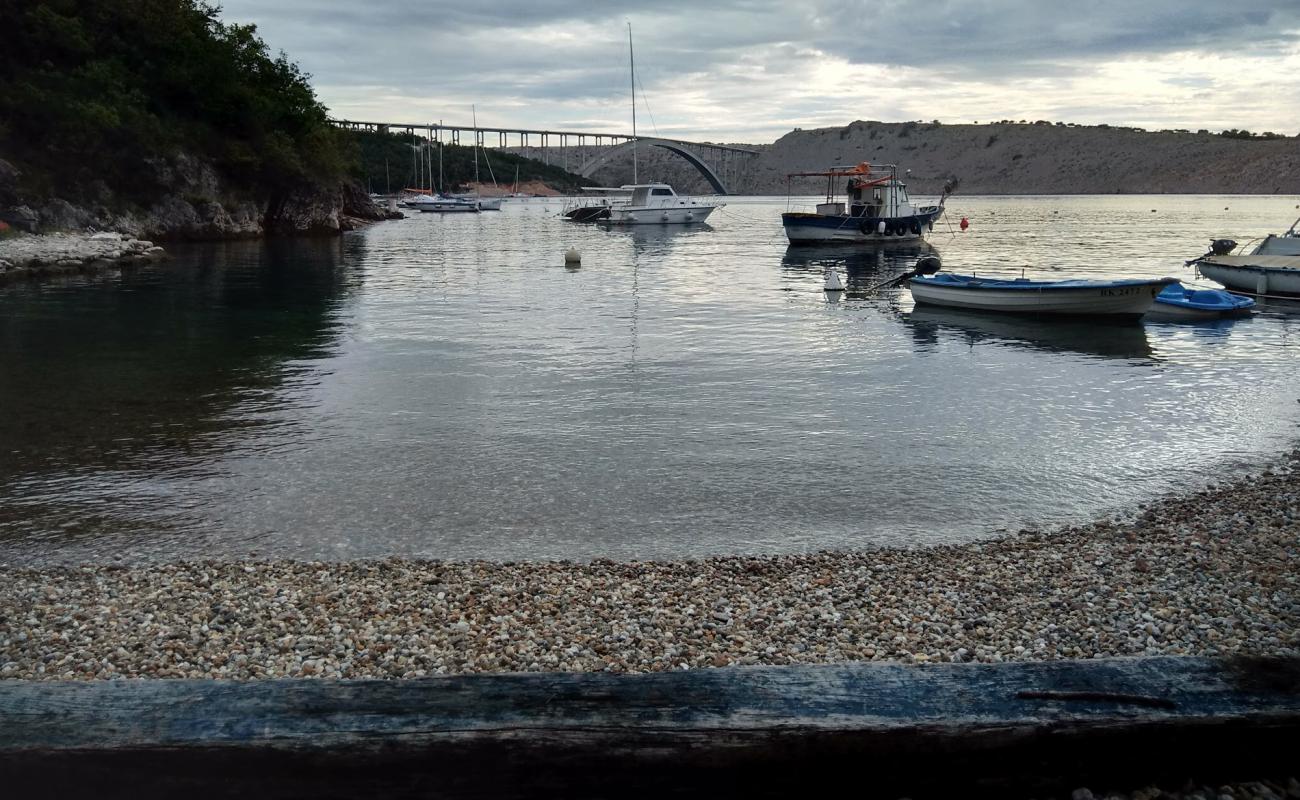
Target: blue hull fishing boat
1179 302
877 208
1129 298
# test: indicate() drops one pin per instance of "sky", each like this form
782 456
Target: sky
753 70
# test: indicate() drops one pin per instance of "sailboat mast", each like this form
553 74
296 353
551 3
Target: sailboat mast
474 114
631 60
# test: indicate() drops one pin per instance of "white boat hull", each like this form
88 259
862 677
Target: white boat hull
675 215
489 204
1131 301
1254 274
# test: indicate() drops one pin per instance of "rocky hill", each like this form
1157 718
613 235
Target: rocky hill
1011 158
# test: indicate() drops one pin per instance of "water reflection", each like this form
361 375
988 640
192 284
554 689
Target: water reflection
1087 337
445 388
109 387
864 267
658 239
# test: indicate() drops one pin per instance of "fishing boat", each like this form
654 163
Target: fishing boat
1129 298
1179 302
876 208
657 203
1272 268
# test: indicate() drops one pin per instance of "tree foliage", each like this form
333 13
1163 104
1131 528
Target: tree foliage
97 89
393 161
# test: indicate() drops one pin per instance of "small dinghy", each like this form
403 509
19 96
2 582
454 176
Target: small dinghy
1177 302
1129 298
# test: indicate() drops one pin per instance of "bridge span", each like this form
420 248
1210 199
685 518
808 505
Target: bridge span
582 152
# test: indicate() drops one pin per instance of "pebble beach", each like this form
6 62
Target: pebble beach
1214 572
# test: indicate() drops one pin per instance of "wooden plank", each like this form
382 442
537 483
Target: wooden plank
766 731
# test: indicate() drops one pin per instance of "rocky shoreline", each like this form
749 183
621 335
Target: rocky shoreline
1215 572
26 256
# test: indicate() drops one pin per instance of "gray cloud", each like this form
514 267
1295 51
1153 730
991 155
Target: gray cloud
709 67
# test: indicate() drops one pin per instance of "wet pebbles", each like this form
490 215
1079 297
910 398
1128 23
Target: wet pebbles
1215 572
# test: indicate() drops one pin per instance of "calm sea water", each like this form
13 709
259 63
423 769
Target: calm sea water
445 387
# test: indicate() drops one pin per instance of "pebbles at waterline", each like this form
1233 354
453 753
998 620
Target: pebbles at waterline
1212 573
62 253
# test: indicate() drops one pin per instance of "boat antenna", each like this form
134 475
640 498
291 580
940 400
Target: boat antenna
631 60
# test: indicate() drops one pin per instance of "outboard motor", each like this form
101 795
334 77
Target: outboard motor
1222 247
927 265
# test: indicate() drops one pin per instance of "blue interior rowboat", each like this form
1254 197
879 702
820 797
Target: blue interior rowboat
1177 301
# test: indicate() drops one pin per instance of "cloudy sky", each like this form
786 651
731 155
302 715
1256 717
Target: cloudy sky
752 70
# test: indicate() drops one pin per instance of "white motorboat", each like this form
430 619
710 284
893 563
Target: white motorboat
657 203
1272 268
1119 298
878 208
442 204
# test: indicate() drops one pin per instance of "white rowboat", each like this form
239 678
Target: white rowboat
1119 298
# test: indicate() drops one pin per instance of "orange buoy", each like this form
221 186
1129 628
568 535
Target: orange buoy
965 223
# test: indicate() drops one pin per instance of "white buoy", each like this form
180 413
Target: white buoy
572 256
833 283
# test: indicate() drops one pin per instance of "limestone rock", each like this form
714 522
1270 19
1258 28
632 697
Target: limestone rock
60 215
306 211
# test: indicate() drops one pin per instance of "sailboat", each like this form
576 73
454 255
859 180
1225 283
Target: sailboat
653 203
484 203
445 204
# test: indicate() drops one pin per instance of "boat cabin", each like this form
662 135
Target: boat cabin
872 191
651 194
867 198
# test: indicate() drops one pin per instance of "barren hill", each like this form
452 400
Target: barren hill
1011 158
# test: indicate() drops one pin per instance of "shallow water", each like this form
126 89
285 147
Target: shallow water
445 387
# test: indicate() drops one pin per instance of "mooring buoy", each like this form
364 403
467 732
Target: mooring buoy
572 256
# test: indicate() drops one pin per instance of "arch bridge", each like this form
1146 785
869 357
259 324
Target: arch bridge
719 164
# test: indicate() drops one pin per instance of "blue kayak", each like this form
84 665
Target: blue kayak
1177 301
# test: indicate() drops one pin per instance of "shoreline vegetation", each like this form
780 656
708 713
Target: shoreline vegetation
1213 572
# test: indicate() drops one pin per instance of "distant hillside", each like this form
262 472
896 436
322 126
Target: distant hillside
393 161
1010 158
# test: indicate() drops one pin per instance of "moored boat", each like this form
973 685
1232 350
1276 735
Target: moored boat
1179 302
1272 268
876 209
657 203
1129 298
442 204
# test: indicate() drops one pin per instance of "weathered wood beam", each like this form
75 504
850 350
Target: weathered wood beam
763 731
